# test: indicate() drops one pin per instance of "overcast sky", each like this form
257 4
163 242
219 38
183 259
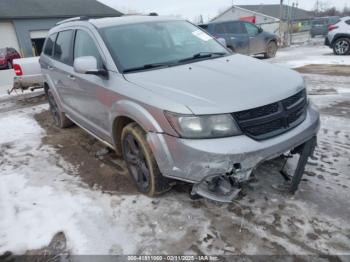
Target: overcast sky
193 8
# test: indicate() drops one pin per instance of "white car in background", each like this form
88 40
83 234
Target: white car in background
338 37
28 74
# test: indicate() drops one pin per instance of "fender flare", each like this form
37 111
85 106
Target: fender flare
137 113
339 35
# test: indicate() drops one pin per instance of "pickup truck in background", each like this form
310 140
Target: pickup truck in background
28 74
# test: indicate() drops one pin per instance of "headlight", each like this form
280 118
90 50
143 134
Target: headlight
206 126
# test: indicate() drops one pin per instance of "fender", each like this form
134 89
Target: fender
49 83
339 35
134 111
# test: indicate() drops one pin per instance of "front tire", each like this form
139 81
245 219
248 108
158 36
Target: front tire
141 163
271 49
341 46
59 117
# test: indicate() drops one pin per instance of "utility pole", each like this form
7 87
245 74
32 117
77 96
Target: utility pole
281 23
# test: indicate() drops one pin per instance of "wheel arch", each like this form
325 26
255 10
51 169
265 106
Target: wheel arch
340 35
126 112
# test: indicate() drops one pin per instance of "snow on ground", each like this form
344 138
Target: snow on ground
298 56
38 199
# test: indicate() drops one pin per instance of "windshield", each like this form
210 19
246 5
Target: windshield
155 44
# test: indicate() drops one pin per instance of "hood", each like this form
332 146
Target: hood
223 85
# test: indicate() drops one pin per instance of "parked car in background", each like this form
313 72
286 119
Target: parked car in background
28 74
244 37
7 55
338 37
319 25
174 102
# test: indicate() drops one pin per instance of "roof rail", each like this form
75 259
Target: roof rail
79 18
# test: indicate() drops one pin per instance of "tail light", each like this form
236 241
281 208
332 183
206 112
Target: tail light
332 27
18 70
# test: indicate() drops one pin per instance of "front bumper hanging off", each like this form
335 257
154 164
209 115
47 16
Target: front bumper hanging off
224 188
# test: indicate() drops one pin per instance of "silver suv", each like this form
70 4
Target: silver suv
174 102
338 37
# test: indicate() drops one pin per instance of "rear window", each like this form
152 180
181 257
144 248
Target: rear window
63 47
2 52
50 41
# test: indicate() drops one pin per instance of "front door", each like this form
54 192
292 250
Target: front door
90 93
256 43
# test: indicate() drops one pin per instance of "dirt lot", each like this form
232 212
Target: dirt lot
106 215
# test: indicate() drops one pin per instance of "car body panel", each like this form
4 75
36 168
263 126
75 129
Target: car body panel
198 87
31 77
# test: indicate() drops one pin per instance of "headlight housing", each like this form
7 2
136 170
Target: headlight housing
205 126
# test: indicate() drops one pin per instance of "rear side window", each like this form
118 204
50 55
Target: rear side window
85 46
62 50
220 29
236 28
50 41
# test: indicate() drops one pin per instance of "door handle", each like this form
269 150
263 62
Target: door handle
50 67
71 77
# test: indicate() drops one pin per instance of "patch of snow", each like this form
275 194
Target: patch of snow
299 56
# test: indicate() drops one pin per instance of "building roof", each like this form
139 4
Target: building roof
274 11
18 9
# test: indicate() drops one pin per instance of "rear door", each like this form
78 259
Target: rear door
237 37
61 69
257 43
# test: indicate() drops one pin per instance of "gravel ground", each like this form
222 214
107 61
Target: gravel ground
52 181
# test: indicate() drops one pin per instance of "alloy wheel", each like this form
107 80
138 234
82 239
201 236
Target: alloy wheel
136 160
342 47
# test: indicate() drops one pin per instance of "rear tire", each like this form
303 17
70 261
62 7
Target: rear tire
271 49
341 46
141 164
59 117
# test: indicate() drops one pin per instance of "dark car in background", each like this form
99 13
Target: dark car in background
244 37
7 55
319 25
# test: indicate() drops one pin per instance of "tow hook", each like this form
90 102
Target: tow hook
219 188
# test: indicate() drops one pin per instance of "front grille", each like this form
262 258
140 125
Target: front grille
274 119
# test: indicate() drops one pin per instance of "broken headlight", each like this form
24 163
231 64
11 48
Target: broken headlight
205 126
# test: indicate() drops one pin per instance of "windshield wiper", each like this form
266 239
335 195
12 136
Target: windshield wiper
148 66
202 55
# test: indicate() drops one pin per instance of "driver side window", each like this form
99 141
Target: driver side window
251 29
85 46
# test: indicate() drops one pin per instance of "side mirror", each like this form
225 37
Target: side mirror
222 41
88 65
260 29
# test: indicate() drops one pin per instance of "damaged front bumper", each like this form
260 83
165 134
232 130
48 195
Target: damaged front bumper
195 161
